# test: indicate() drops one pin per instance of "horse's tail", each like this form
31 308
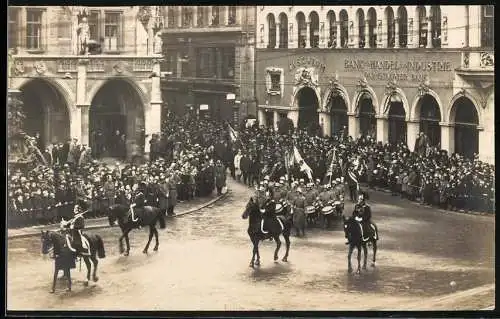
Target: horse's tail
161 219
100 247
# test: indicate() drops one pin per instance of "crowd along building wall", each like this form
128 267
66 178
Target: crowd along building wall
334 67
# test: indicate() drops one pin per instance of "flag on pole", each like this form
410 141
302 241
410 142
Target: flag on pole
330 168
232 133
303 165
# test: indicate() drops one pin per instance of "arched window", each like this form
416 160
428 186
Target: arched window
302 29
283 31
390 31
314 30
361 28
215 15
422 27
403 27
231 15
466 121
271 31
344 28
171 17
487 26
372 28
201 16
332 36
436 26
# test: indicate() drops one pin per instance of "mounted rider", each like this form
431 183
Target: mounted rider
363 214
268 206
139 203
74 238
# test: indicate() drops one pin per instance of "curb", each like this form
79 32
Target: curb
189 211
445 211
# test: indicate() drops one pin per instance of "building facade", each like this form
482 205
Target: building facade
385 71
90 73
209 54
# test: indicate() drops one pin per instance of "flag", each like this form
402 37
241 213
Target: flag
232 133
330 168
303 167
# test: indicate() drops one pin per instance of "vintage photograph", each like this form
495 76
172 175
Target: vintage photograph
270 158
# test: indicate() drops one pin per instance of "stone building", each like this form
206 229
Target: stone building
90 73
209 51
386 71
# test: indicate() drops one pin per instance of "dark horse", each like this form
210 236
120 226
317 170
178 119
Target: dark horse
64 258
352 230
274 230
147 216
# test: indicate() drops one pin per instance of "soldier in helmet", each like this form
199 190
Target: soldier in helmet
74 238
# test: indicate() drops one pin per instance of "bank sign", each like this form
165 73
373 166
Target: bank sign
406 66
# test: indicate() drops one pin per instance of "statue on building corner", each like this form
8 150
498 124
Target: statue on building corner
83 33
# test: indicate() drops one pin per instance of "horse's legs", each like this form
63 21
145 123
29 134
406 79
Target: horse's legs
127 242
145 251
56 271
67 272
89 268
359 259
278 245
95 261
156 238
365 252
349 266
374 252
286 235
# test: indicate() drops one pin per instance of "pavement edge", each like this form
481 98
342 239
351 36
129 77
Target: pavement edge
189 211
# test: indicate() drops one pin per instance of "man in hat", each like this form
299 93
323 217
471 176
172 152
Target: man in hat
74 238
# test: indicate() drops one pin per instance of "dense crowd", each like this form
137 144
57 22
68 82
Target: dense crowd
187 161
190 156
427 174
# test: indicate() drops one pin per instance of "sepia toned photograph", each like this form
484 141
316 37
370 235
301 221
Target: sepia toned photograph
254 158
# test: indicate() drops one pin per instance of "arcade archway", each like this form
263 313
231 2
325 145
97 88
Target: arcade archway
466 120
430 115
308 110
367 120
46 112
338 115
116 120
397 121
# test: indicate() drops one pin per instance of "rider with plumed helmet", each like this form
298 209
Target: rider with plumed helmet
75 225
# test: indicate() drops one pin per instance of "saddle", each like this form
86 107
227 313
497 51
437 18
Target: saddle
368 230
81 246
279 219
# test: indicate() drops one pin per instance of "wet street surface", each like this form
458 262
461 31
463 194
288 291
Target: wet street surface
426 260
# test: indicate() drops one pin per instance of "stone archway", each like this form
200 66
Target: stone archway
116 120
430 116
308 104
47 111
397 121
465 118
366 111
339 122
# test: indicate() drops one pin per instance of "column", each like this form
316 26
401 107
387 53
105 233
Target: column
412 129
382 129
325 121
81 101
261 116
277 35
308 35
276 119
474 26
447 137
429 31
294 116
195 16
209 10
353 124
396 32
179 16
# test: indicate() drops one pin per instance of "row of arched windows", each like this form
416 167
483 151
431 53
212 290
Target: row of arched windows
205 16
366 30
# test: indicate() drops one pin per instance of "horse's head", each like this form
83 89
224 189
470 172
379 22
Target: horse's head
347 224
250 208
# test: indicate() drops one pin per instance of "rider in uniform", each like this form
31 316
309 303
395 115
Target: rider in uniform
268 207
139 203
363 214
76 224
